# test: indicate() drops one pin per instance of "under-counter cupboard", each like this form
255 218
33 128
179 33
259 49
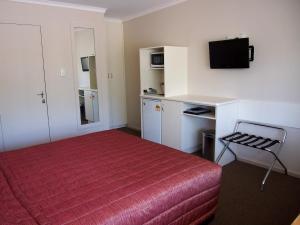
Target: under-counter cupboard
183 131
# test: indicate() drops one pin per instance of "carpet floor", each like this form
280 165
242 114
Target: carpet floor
242 203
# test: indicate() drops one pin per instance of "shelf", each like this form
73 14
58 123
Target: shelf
210 115
154 95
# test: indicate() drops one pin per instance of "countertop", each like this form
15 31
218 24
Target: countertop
195 99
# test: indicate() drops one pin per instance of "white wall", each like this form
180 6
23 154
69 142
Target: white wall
116 69
279 113
56 26
270 88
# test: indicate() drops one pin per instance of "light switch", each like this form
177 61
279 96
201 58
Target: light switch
62 72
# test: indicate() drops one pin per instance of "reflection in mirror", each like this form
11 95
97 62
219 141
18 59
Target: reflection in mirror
86 71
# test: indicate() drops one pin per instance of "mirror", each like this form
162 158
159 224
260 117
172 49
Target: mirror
85 55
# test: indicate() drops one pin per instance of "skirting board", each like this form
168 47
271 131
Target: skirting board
118 126
134 128
260 164
192 149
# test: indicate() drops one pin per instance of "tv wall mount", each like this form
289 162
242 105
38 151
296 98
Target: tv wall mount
251 49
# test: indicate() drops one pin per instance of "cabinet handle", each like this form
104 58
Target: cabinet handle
109 75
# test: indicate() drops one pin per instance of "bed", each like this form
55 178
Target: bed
106 178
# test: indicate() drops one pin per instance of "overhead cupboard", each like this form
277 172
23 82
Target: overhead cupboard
168 118
163 70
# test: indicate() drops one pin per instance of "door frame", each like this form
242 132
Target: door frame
2 146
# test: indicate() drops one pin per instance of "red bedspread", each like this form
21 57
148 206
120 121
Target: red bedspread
109 178
11 211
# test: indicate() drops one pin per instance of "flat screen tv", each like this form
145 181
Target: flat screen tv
85 64
233 53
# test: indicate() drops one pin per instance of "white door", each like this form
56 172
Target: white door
152 120
23 107
171 124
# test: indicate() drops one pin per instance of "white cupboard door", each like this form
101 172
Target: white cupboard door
88 103
152 120
23 106
116 74
95 105
91 105
171 124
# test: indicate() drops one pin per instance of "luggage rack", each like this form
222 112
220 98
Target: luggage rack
257 142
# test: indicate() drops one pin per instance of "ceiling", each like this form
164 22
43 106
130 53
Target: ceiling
125 9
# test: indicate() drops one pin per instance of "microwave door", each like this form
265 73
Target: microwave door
157 60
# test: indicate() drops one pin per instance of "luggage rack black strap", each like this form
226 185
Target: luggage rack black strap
238 137
247 140
248 143
269 145
264 141
230 135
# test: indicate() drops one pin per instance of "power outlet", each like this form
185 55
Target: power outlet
62 72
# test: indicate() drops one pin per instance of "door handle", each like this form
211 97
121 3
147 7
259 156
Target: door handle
41 94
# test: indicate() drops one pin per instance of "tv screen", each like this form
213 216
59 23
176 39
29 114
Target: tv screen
232 53
85 64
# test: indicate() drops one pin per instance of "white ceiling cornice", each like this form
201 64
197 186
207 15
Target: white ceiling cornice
112 20
63 5
113 10
152 10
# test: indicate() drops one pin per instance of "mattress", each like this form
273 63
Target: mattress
107 178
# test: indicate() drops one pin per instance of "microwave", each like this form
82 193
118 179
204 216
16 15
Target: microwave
157 60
